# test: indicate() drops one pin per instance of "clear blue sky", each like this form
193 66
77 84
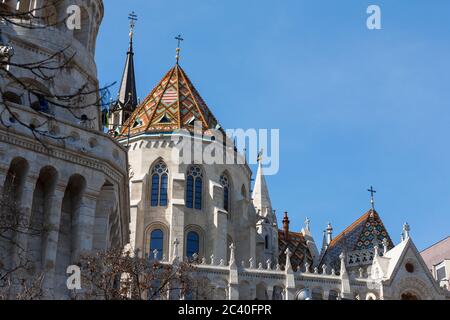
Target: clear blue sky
354 107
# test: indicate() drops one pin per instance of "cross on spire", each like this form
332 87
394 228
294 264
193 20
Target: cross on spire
372 192
179 39
133 18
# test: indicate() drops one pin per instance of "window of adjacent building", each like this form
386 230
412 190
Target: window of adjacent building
157 243
440 273
224 181
192 244
194 188
160 179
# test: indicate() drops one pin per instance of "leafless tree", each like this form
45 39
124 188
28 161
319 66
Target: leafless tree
119 275
17 277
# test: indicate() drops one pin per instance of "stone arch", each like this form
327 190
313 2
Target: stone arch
371 296
67 237
106 223
261 291
245 292
201 234
15 180
334 294
278 292
83 33
148 231
41 209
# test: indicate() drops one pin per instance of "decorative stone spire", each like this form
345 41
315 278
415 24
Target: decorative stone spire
288 266
343 268
127 97
385 245
232 255
329 232
286 226
406 230
307 224
261 198
175 249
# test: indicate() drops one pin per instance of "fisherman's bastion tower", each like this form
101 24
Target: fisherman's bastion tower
57 166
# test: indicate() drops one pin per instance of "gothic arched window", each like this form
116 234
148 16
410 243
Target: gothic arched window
160 177
225 182
157 243
192 244
194 188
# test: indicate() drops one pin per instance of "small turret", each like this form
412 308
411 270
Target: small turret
329 233
286 226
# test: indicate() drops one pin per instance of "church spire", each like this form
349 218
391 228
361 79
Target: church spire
261 198
127 96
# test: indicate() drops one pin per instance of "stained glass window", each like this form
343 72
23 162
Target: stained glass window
159 188
226 191
157 242
194 188
193 244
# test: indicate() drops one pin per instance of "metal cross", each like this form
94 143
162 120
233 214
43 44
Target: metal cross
179 38
133 18
372 201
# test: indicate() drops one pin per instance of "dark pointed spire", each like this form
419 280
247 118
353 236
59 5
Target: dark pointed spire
127 97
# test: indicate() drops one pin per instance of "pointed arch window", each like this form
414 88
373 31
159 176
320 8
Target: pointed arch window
225 182
194 188
160 178
192 244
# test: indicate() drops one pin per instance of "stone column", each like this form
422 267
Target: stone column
24 206
51 241
220 234
177 217
270 292
83 226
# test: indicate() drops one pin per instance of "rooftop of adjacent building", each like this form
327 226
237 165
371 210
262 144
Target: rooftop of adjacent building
436 253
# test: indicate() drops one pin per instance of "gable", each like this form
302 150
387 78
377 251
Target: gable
407 270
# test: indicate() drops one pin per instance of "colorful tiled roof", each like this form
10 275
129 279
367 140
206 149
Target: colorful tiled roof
297 245
360 235
173 104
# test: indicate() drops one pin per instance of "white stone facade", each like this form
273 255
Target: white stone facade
74 179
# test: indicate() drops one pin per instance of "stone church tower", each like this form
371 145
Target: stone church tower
56 165
185 209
